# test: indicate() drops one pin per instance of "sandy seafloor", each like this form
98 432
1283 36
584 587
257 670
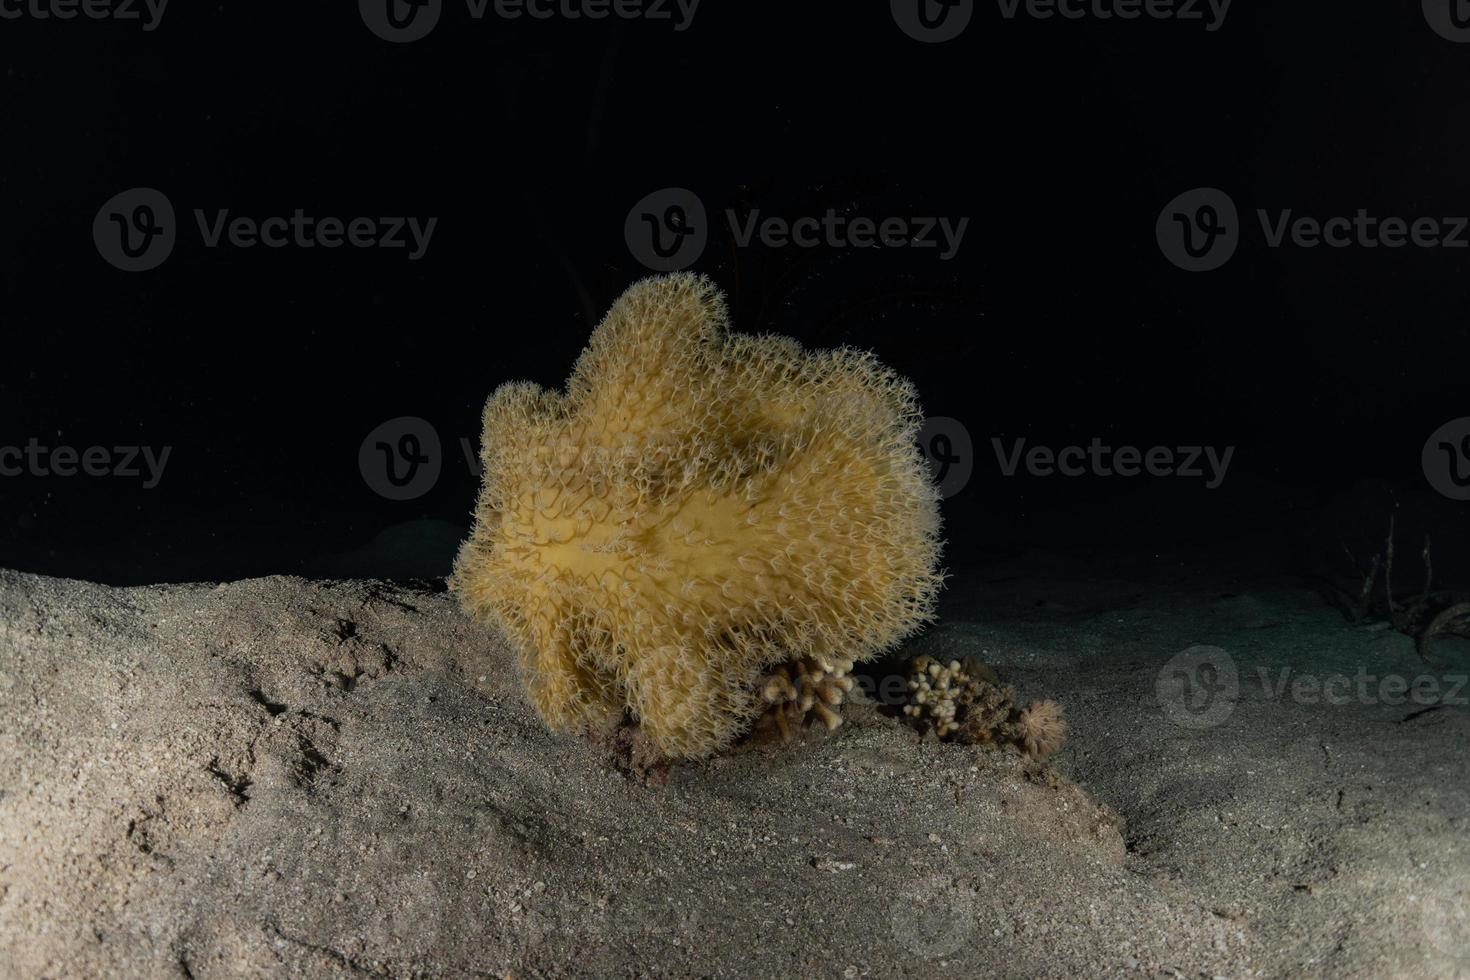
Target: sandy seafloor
280 776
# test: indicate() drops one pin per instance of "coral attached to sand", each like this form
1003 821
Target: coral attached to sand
797 693
1038 729
696 509
965 702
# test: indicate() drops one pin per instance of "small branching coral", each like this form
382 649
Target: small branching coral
797 693
945 698
965 702
696 509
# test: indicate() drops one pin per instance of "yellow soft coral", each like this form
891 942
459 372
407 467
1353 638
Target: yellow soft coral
697 507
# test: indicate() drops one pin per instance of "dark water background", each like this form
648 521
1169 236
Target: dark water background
1060 318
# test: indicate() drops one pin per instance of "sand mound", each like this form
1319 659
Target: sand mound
340 778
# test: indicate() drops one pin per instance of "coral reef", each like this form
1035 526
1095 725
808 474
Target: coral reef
695 509
945 697
797 693
964 701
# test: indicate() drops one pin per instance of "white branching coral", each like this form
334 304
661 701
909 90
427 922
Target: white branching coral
945 697
965 702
